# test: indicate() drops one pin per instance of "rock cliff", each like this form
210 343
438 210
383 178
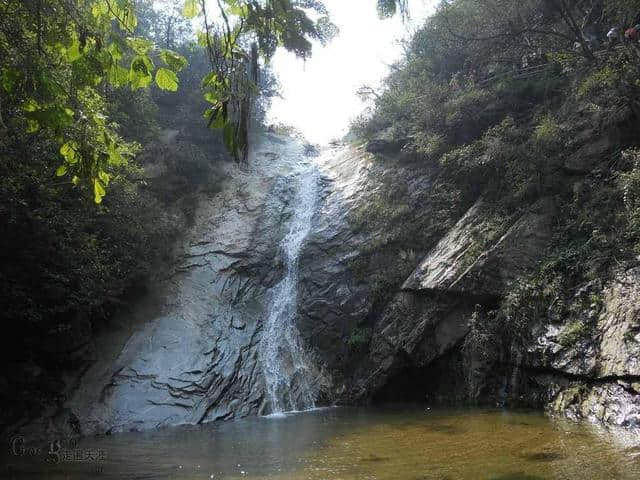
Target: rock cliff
396 300
193 352
391 303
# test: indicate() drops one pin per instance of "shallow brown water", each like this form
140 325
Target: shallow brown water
356 443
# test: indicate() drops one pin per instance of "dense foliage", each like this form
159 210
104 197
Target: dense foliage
62 57
59 61
525 105
68 132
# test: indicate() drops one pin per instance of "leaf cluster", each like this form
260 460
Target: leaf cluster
59 60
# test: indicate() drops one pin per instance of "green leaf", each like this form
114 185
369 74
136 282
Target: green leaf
106 138
104 176
99 9
216 117
210 79
56 117
167 80
141 46
75 180
73 53
239 10
69 151
174 61
202 39
211 97
32 126
98 191
123 12
117 76
130 21
9 78
115 51
50 85
30 105
140 74
61 170
114 156
191 9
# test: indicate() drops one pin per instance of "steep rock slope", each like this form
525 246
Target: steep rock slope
371 227
395 305
195 357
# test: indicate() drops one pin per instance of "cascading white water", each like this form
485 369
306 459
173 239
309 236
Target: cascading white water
286 372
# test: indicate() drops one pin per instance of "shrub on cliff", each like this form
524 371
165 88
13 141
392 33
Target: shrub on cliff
566 130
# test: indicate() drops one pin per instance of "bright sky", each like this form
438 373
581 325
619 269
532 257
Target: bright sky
319 95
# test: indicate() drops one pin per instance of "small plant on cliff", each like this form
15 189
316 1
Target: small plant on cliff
631 334
630 184
604 78
529 301
547 131
573 333
359 338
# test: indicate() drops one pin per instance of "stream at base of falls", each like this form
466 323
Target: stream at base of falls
394 443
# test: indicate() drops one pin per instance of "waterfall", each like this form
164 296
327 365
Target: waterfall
287 374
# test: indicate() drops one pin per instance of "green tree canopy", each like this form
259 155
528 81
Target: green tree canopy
60 59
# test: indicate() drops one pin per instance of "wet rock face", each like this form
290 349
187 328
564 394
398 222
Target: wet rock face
593 358
614 403
417 340
386 324
358 253
414 331
619 325
445 263
197 359
389 309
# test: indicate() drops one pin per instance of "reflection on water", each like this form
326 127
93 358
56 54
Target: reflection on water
360 443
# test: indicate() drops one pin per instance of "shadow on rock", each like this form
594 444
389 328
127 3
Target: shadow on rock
374 458
517 476
542 456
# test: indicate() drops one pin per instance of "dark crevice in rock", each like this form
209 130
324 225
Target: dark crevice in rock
439 382
217 252
471 298
171 404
